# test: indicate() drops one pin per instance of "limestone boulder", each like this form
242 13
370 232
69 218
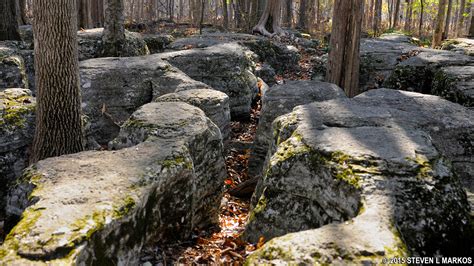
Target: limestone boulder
215 105
12 67
17 120
101 207
371 177
157 43
90 42
279 56
455 83
113 88
225 67
280 100
460 45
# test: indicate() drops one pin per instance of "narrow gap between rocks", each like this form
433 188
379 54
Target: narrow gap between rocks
218 245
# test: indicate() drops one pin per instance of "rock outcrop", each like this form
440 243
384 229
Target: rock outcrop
365 174
215 105
280 100
279 56
113 88
100 207
225 67
455 83
17 118
90 43
12 67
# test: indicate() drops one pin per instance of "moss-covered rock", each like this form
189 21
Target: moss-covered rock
102 207
367 178
456 84
17 121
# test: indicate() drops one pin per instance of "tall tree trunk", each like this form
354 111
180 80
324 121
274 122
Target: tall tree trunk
408 16
344 60
289 13
201 20
448 19
114 30
396 14
273 11
302 16
377 17
439 27
471 28
422 13
460 24
226 14
8 21
58 114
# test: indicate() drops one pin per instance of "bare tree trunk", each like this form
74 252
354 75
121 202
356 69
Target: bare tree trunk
408 16
471 28
273 11
439 27
289 13
344 60
448 19
58 114
460 24
377 17
201 21
422 13
8 21
226 14
114 30
396 14
302 16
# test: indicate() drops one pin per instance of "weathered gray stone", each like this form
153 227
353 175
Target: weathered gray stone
113 88
215 105
460 45
416 73
455 83
17 120
280 100
12 68
157 43
90 42
377 169
266 73
102 207
279 56
225 67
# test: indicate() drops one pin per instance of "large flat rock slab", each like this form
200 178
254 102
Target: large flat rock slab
102 207
280 100
455 83
370 177
225 67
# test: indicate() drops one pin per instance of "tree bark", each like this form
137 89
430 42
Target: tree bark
58 114
377 17
460 24
408 16
226 14
289 13
422 13
396 14
439 27
114 30
8 21
448 19
302 16
471 28
273 11
344 60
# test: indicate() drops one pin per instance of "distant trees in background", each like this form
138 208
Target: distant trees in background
439 19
